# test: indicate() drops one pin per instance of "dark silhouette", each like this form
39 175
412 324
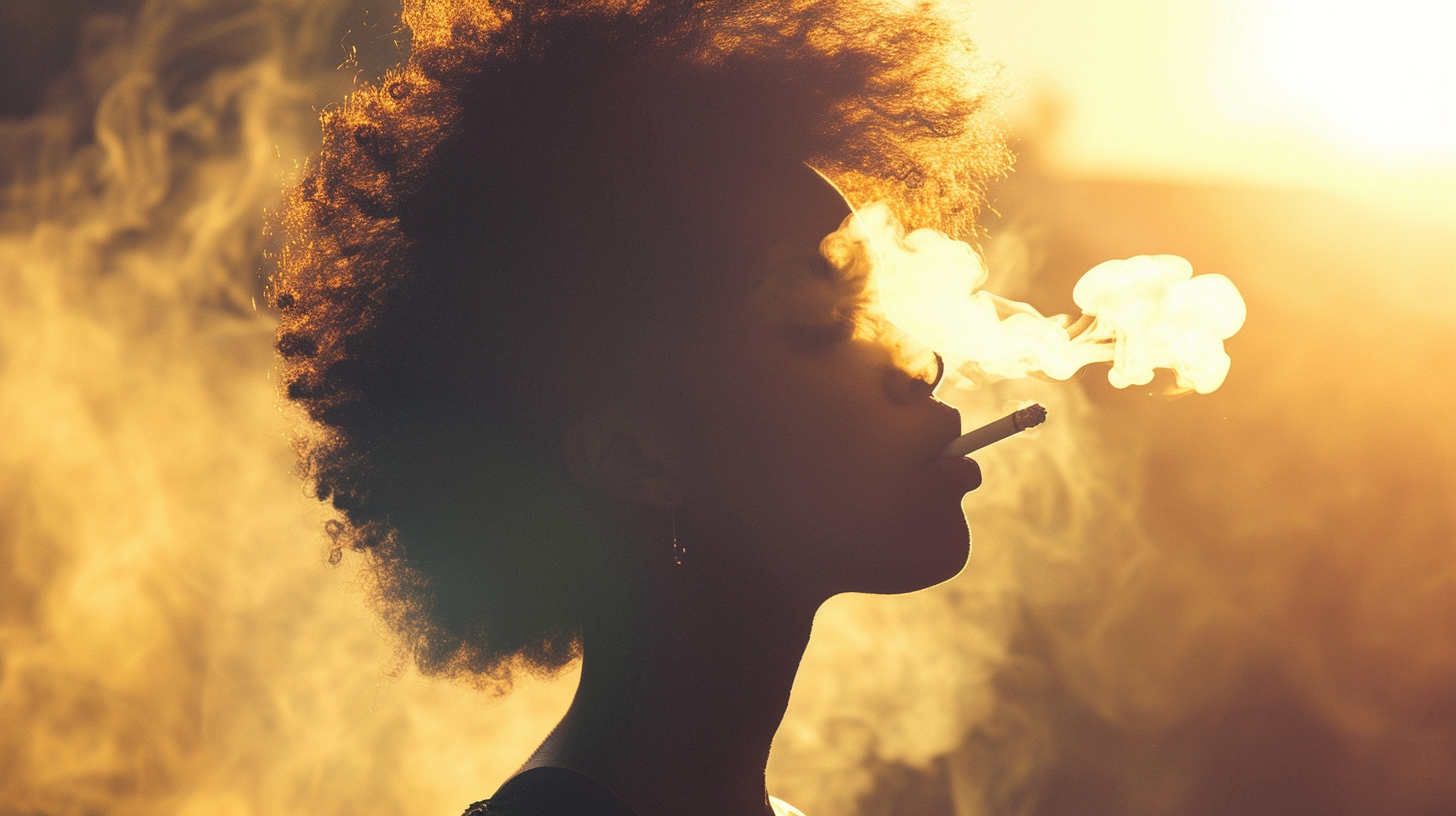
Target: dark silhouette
582 384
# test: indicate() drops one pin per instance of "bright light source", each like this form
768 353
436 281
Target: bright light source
1373 76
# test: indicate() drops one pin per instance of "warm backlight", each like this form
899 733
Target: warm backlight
1373 76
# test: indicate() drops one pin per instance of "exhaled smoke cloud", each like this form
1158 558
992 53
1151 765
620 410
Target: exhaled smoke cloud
1138 314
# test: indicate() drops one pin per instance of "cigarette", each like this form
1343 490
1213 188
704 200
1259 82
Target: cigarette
1009 425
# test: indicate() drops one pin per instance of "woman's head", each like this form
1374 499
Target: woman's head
552 232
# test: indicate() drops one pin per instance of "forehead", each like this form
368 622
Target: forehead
771 216
735 227
796 204
770 278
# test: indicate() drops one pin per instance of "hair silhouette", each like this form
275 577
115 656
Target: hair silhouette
486 232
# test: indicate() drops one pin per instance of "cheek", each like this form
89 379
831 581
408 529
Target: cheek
814 478
792 454
865 523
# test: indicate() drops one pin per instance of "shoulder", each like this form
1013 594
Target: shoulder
548 791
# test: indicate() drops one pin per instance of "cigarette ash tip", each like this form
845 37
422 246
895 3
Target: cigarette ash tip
1029 417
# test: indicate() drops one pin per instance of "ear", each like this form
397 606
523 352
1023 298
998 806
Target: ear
621 459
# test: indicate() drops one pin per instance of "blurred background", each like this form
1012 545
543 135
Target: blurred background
1235 603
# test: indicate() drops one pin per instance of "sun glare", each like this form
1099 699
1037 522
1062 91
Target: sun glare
1376 77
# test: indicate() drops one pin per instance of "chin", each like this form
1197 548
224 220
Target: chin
928 553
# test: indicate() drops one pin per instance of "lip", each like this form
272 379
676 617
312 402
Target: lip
962 471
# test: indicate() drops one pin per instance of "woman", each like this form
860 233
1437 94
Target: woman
583 385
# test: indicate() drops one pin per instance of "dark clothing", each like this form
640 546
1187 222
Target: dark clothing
551 792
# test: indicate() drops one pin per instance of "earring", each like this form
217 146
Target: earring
679 552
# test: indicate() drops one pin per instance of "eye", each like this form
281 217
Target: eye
819 336
810 302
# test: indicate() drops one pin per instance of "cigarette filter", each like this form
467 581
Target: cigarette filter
1009 425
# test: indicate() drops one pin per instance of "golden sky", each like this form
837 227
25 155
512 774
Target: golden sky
1352 96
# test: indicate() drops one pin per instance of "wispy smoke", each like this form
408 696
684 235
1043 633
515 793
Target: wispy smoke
172 640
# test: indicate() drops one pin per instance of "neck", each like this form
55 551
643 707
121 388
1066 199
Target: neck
679 701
